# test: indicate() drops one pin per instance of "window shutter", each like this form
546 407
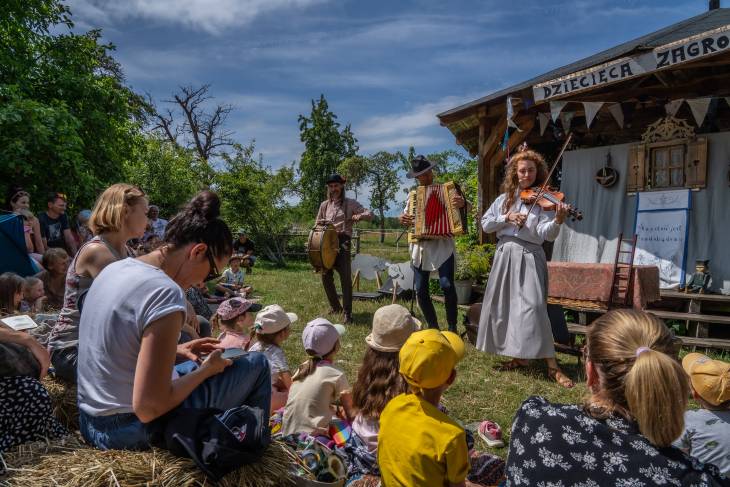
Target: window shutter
636 173
695 164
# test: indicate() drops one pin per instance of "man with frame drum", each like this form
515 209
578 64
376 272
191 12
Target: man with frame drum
341 212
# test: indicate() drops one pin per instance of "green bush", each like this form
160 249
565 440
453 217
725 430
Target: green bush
474 262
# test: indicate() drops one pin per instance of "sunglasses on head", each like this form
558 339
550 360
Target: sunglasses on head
214 272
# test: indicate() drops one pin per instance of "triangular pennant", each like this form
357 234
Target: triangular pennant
673 107
511 114
727 99
544 119
591 108
699 108
555 108
566 118
618 114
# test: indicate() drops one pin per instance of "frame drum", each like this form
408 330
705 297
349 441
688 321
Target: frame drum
322 247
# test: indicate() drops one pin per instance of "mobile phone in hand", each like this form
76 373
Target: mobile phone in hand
231 353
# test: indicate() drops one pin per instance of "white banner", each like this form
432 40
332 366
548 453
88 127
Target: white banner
686 50
511 114
664 200
591 109
699 108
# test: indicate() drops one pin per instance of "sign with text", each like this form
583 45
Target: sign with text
683 51
662 225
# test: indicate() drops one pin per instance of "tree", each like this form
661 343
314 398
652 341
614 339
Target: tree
167 173
380 173
255 198
67 121
325 147
200 131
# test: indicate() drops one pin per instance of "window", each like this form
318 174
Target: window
667 167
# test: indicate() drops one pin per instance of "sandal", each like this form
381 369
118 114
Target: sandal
491 434
558 376
513 364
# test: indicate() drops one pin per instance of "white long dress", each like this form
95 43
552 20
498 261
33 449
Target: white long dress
514 321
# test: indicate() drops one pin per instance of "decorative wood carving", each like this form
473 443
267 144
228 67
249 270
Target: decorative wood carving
668 128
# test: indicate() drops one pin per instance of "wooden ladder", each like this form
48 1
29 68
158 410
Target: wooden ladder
623 273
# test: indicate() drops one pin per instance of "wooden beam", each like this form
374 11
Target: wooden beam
481 182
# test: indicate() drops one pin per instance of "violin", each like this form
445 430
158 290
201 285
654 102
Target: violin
549 198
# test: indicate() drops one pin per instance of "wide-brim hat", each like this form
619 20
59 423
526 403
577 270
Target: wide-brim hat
392 325
420 165
335 178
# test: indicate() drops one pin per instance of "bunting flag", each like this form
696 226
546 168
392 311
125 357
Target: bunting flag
673 107
511 114
555 108
727 99
591 108
543 118
699 108
618 113
566 118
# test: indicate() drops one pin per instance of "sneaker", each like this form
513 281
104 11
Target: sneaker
491 434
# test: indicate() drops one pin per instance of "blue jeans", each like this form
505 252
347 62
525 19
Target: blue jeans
247 381
446 281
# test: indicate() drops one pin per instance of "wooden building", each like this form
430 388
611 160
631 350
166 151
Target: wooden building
654 110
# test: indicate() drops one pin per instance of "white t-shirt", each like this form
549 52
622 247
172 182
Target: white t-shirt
124 299
277 359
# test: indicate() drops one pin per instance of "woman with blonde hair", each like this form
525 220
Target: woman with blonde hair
514 321
119 214
622 435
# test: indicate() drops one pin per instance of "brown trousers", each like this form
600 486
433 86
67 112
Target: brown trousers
344 269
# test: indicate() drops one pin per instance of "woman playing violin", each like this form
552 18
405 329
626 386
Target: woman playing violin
514 320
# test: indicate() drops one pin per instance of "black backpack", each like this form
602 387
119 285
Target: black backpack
217 441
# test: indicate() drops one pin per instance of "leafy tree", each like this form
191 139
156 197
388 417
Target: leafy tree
325 147
67 122
169 174
255 199
379 172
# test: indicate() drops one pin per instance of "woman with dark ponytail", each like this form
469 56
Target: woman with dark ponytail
129 331
623 433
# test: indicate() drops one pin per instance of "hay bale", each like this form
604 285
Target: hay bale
63 397
69 463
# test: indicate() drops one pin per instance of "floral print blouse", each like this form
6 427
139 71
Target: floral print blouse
560 445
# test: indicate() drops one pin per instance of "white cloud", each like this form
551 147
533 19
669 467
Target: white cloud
212 16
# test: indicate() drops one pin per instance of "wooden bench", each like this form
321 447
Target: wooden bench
576 329
678 315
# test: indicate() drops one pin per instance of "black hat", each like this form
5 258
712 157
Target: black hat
420 165
335 178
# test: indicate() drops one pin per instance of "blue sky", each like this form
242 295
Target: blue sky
385 67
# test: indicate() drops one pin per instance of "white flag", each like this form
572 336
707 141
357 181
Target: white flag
591 108
618 114
566 118
510 114
727 99
673 107
699 108
543 118
555 108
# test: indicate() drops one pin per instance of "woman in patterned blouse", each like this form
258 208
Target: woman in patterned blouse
623 433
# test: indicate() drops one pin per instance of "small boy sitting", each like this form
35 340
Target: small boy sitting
418 445
230 283
706 435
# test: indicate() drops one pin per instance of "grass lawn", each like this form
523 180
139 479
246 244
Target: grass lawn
479 392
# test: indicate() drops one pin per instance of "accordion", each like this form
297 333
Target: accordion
434 215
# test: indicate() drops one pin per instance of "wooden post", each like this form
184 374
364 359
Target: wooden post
357 241
356 280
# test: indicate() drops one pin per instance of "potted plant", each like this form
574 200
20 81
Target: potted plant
463 277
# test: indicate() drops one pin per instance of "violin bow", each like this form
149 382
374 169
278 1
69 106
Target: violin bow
544 186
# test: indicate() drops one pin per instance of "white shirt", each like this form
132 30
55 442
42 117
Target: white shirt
539 226
430 254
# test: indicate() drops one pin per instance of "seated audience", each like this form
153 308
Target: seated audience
119 214
55 230
83 233
19 203
419 444
245 247
129 331
195 326
317 385
234 318
11 293
198 296
706 434
231 281
271 327
26 412
55 265
33 296
157 225
622 434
